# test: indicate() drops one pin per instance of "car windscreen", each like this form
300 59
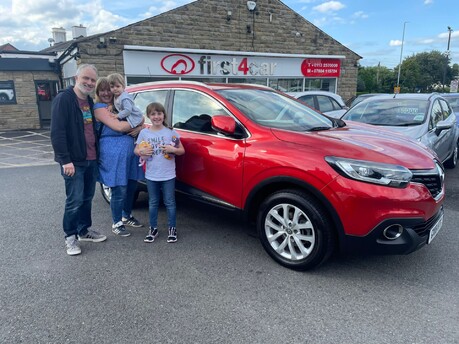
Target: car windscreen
454 102
274 110
389 112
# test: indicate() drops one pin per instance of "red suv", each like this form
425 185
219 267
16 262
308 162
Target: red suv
308 183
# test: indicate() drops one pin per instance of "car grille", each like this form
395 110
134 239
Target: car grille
432 179
423 228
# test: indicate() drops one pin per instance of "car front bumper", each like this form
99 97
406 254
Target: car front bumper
412 234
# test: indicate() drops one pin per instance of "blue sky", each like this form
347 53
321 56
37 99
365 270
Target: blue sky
371 28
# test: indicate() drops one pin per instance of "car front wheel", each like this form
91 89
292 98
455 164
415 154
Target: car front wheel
294 230
106 192
452 161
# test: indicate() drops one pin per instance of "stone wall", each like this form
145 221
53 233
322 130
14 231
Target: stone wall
203 24
24 114
272 28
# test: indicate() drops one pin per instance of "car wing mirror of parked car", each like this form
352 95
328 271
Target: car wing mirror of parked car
443 125
224 124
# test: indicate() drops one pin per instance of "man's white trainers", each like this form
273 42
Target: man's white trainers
72 245
92 236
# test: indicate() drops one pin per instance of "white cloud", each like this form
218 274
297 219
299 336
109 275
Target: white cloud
360 14
395 43
329 6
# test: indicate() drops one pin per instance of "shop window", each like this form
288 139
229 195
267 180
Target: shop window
208 80
286 85
7 92
69 82
43 91
261 81
320 84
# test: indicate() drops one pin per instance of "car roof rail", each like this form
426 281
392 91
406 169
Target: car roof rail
185 82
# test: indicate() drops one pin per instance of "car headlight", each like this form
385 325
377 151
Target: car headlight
371 172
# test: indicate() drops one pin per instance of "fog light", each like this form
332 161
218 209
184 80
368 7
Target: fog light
393 232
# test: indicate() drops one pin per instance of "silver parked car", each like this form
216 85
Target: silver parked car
453 100
427 118
328 103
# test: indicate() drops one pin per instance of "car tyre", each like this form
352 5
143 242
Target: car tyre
295 230
452 161
106 192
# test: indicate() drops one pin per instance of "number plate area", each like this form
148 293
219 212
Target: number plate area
435 228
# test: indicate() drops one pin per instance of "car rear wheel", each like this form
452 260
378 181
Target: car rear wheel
294 230
106 192
452 161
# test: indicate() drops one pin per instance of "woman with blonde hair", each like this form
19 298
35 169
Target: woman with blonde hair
118 165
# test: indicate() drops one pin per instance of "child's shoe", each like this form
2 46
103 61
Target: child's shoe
152 234
119 229
172 234
132 222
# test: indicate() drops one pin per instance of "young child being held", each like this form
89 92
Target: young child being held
160 145
123 101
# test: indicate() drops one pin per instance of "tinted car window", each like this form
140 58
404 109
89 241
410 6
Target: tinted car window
327 104
193 111
308 99
394 112
446 109
437 113
142 100
274 110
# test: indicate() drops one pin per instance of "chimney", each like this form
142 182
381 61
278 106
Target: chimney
59 34
78 31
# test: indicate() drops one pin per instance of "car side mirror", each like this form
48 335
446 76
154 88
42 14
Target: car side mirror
443 125
224 124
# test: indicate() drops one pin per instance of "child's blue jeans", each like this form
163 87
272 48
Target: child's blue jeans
154 195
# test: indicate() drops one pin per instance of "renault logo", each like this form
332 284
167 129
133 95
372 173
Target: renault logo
177 64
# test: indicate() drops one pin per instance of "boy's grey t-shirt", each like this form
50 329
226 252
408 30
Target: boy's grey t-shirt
159 166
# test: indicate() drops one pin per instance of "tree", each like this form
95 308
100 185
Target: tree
375 80
420 72
455 71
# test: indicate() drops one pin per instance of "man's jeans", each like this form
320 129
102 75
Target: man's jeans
122 200
80 190
168 188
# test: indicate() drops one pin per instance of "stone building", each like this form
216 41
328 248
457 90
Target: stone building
28 82
261 41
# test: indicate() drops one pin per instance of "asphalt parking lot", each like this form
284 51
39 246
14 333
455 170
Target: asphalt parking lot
25 148
215 285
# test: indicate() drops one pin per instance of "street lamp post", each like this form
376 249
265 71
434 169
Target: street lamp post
447 57
401 54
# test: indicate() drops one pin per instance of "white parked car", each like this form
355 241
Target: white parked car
328 103
6 94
